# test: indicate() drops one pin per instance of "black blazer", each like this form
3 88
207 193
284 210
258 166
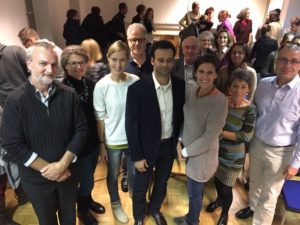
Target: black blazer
143 121
178 68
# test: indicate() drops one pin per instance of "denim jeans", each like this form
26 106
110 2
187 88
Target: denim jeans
113 170
87 167
195 192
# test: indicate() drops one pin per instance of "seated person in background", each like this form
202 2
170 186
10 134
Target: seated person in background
237 131
262 48
139 17
237 57
268 67
191 16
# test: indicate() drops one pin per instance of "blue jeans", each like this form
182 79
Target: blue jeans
113 169
195 192
87 167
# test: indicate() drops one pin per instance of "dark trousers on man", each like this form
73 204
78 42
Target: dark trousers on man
54 199
163 166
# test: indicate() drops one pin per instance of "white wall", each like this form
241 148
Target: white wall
12 19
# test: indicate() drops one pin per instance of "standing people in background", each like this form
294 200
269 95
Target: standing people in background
184 66
74 61
268 68
276 27
96 68
28 36
150 27
295 25
13 72
224 23
238 131
237 57
52 112
139 62
109 103
117 26
222 43
262 48
205 21
243 27
204 117
191 16
153 118
94 27
140 16
73 32
274 149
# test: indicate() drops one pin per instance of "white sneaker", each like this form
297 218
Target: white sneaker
119 213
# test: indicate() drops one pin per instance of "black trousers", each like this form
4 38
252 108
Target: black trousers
53 199
163 166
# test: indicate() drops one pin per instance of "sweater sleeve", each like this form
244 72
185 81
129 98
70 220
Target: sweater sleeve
246 134
253 80
215 122
80 128
13 137
99 101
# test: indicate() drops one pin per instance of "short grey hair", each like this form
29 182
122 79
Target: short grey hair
136 26
291 46
193 38
206 34
45 45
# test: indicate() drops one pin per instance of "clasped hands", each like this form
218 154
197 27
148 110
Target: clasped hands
55 171
179 151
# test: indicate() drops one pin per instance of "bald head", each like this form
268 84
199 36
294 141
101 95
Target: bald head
190 49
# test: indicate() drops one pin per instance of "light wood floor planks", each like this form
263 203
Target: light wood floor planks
175 204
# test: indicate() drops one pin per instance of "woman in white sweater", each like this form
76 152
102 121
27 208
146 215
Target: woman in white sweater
109 104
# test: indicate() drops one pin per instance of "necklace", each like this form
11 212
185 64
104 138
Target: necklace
83 95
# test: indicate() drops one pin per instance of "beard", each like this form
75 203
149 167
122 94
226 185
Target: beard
43 79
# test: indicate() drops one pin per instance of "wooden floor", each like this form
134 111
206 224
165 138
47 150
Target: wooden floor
175 204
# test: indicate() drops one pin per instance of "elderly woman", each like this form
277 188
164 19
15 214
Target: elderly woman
109 104
243 27
205 115
206 38
74 62
238 130
191 16
237 57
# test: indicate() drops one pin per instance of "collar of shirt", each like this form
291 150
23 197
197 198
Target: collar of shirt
290 85
158 86
44 99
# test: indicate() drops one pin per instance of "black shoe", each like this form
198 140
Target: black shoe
223 220
213 206
124 184
244 213
159 218
180 220
87 218
96 207
139 222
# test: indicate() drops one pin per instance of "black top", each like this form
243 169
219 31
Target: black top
94 27
145 70
28 126
136 19
85 89
73 33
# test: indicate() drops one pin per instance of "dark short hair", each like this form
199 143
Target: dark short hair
207 58
195 4
95 10
140 8
163 44
240 74
209 10
122 5
71 13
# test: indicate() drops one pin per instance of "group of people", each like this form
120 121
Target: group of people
203 108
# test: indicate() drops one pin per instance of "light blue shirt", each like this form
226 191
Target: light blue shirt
278 121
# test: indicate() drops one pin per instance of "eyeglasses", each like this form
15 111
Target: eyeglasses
285 61
135 40
75 64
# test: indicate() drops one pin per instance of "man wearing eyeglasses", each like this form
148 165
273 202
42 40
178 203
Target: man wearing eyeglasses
275 148
139 62
44 129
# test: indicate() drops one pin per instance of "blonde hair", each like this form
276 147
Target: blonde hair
118 46
93 50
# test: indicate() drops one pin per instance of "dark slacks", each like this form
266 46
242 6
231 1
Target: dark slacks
53 199
163 166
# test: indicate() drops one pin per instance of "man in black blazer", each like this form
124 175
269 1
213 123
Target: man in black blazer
154 114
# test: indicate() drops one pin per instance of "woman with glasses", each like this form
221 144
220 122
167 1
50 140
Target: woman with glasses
237 131
237 57
74 62
109 104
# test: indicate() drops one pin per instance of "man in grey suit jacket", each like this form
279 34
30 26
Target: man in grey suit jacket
184 66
